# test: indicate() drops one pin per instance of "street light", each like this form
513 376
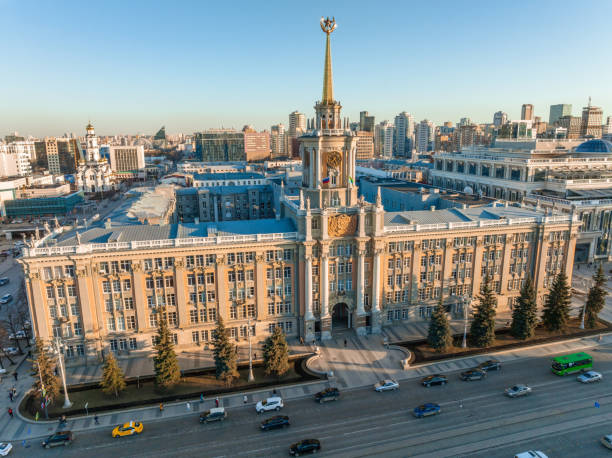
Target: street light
60 358
586 283
251 376
466 305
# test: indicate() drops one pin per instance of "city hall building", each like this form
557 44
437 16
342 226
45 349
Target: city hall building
328 261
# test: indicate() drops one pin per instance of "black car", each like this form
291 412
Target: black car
436 379
280 421
305 446
473 374
490 365
59 438
329 394
4 281
214 414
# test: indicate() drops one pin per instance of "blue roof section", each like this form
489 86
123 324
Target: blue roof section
228 176
594 146
239 189
173 231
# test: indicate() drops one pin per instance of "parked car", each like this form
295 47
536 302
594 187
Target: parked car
11 351
589 377
273 403
6 299
386 385
531 454
4 281
5 448
436 379
59 438
473 374
127 429
490 365
329 394
607 441
279 421
214 414
426 410
18 335
518 390
305 446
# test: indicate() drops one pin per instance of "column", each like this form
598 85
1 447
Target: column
308 289
221 287
376 292
180 293
317 172
138 294
360 281
324 286
89 325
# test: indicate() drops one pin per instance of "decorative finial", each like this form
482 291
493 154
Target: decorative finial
328 25
78 238
378 198
307 203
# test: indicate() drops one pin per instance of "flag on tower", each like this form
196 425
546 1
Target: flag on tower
351 180
325 180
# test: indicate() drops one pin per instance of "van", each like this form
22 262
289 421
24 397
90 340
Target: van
214 414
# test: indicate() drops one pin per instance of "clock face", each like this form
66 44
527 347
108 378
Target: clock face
334 159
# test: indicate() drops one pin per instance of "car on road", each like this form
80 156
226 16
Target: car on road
4 281
589 377
531 454
5 448
127 429
607 441
11 351
214 414
59 438
329 394
305 446
473 374
279 421
490 365
517 390
273 403
6 299
426 410
436 379
17 335
386 385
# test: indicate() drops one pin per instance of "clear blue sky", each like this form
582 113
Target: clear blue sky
131 66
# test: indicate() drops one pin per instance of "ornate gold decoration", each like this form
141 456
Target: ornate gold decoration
260 258
220 259
334 159
341 225
179 264
136 267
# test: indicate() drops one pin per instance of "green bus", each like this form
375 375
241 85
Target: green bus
575 362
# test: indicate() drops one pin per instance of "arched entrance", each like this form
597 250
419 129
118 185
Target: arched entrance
341 317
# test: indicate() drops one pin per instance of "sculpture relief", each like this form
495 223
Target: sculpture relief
342 225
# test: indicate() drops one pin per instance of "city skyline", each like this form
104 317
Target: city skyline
144 71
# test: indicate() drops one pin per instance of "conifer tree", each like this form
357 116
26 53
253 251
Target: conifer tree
596 298
225 354
525 313
165 363
482 329
113 379
276 353
557 306
44 373
439 335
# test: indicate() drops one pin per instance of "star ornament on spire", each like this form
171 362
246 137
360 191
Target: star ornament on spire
328 25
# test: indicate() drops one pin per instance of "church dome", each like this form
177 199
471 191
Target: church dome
594 146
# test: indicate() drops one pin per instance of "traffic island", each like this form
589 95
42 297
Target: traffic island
141 392
422 352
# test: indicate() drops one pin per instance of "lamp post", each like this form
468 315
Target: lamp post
60 359
251 376
587 283
466 305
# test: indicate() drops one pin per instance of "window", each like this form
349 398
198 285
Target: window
170 299
113 345
210 278
132 343
104 267
110 322
74 309
69 271
131 322
78 330
106 287
148 264
193 316
50 292
231 277
159 282
210 296
127 284
251 310
175 339
108 304
121 323
125 265
172 321
149 283
212 314
153 320
195 337
128 303
169 282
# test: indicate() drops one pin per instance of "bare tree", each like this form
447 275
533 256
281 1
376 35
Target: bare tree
4 339
11 325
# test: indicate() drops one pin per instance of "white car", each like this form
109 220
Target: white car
607 441
273 403
5 448
531 454
386 385
516 391
17 335
589 377
12 351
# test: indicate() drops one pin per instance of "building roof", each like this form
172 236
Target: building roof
594 146
227 176
224 190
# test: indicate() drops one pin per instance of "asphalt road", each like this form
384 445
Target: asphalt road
559 418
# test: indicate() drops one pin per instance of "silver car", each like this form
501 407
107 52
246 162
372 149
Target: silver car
386 385
517 390
589 377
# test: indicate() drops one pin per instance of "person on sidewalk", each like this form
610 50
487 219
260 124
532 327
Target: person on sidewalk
10 412
345 343
96 420
188 406
11 396
217 401
244 399
161 407
15 375
202 398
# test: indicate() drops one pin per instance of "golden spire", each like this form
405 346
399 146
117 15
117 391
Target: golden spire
328 26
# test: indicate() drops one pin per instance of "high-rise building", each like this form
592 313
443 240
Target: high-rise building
15 159
297 127
592 118
256 144
383 139
500 118
127 161
366 122
58 155
527 112
277 140
424 136
559 110
220 145
572 124
365 145
404 135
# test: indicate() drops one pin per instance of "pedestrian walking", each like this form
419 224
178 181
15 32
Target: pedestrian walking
244 399
96 420
10 412
188 406
11 396
15 375
14 391
161 407
301 340
345 343
217 401
201 398
254 355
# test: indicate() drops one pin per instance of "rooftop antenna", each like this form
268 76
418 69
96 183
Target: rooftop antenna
589 102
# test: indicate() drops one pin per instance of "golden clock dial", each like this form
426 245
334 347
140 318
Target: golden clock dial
334 159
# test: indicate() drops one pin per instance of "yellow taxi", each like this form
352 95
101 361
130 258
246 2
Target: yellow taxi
127 429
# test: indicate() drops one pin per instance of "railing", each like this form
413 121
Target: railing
558 200
148 244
